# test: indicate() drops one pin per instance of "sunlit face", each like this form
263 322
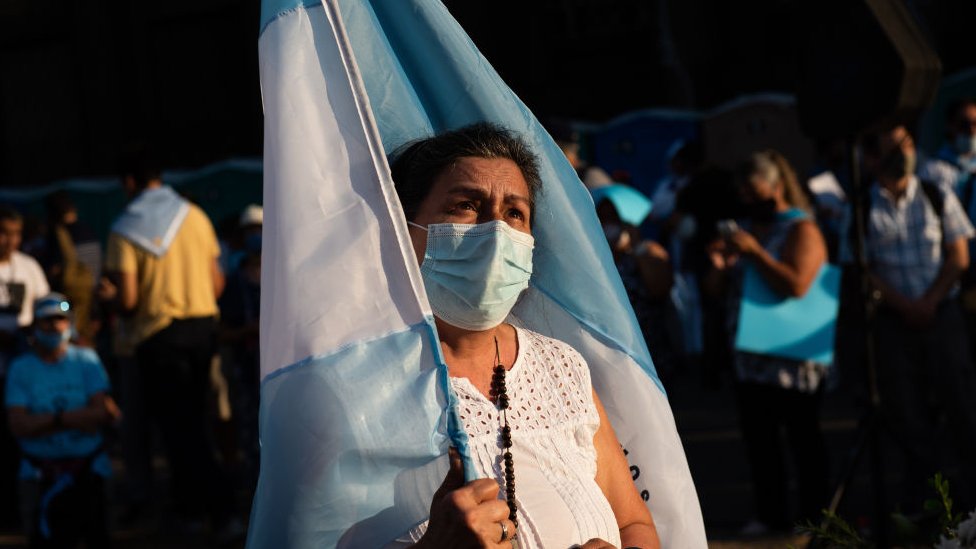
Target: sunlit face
472 191
757 189
896 138
10 235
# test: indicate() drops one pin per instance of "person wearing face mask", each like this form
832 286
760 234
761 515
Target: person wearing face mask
916 250
956 163
645 270
57 402
22 281
525 400
776 395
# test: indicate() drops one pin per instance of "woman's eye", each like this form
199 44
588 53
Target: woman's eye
517 214
466 205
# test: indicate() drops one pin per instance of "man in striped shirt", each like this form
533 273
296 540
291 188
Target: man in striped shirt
916 246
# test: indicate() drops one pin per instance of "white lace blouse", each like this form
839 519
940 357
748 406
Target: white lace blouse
553 420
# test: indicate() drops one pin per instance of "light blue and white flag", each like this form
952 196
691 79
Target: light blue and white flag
153 219
356 407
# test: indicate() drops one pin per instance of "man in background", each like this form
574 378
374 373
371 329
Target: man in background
916 247
162 261
21 283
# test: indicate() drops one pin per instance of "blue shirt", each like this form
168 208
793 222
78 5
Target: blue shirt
905 243
45 388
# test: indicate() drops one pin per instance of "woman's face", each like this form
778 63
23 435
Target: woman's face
757 190
472 191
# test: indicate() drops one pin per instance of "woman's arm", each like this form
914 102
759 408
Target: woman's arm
655 269
613 476
803 255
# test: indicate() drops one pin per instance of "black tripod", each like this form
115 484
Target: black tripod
869 427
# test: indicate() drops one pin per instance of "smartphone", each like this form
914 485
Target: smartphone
727 227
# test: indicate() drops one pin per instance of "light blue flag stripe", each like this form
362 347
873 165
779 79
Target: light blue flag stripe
337 405
273 9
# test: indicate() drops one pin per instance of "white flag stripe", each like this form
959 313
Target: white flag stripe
335 260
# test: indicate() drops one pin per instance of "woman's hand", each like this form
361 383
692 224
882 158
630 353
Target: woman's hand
467 515
721 255
744 243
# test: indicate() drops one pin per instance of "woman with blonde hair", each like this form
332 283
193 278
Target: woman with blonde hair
780 240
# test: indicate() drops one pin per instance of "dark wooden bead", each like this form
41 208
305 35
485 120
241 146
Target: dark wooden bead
499 394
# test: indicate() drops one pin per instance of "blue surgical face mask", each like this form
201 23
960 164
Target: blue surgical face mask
51 340
474 274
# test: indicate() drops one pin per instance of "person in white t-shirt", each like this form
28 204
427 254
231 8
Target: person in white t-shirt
21 282
21 278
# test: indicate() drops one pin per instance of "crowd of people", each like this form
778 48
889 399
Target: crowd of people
147 344
154 339
715 236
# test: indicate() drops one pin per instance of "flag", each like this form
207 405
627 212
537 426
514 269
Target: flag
356 404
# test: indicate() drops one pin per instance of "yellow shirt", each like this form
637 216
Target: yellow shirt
177 285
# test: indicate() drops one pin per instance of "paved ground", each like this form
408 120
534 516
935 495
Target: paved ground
707 422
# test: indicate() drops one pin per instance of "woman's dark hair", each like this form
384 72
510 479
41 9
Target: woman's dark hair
416 165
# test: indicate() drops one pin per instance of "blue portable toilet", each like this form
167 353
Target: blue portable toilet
637 144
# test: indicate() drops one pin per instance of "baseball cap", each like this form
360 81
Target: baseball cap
252 215
53 304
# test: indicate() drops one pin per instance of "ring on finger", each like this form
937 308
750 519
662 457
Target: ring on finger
504 531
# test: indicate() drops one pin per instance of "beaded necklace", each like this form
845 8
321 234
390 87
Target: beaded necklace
500 396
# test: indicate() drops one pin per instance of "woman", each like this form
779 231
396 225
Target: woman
469 198
782 242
